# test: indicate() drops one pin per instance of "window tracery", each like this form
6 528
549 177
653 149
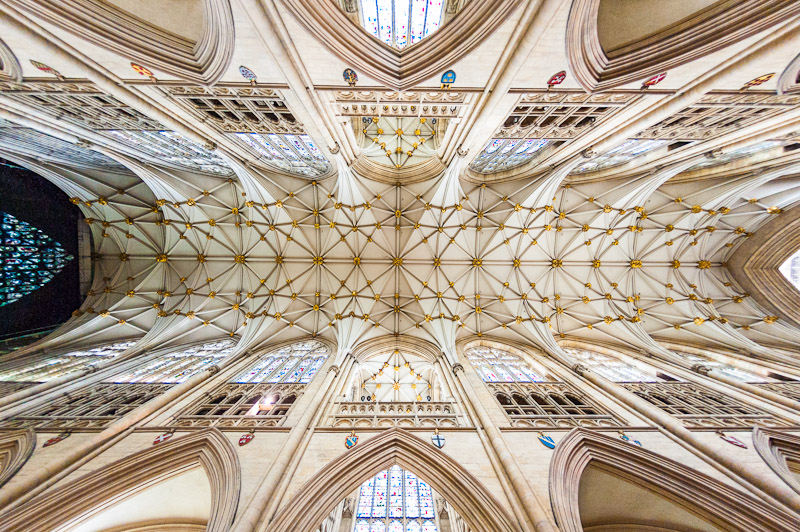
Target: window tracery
397 501
263 394
545 120
497 365
31 143
610 367
171 148
56 366
401 23
29 257
297 154
700 407
624 153
530 399
178 365
726 369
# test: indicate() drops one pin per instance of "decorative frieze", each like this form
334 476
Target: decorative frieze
394 414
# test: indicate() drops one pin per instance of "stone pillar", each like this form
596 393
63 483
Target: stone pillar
534 512
268 493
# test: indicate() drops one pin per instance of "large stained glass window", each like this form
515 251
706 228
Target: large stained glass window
728 370
178 365
295 363
627 151
296 154
505 154
496 365
168 147
610 367
30 258
56 366
401 23
395 501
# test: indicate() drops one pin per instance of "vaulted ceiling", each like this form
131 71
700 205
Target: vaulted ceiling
282 202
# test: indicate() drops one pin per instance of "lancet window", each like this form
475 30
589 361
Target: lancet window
52 367
263 394
395 501
532 399
610 367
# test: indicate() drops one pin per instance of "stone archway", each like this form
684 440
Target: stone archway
313 502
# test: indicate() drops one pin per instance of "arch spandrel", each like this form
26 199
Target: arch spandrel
703 501
117 482
345 474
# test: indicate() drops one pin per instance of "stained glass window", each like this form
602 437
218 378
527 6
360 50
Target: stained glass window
627 151
728 370
56 366
737 154
400 23
178 365
791 269
505 154
168 147
610 367
296 154
30 258
397 501
295 363
496 365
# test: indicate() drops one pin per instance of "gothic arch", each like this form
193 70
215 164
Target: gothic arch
789 82
119 480
9 65
15 449
700 33
754 265
401 69
689 494
422 348
203 59
471 500
779 450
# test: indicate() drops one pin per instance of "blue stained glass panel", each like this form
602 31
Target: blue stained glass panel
29 259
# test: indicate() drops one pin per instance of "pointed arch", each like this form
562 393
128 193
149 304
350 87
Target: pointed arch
471 500
15 449
781 452
683 490
120 480
400 69
9 65
639 51
201 57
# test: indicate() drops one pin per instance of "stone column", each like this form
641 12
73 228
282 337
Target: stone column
534 511
268 491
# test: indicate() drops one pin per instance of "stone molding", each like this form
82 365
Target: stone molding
341 477
368 168
789 82
376 346
754 265
15 449
711 29
10 69
113 29
709 499
110 484
400 69
777 448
